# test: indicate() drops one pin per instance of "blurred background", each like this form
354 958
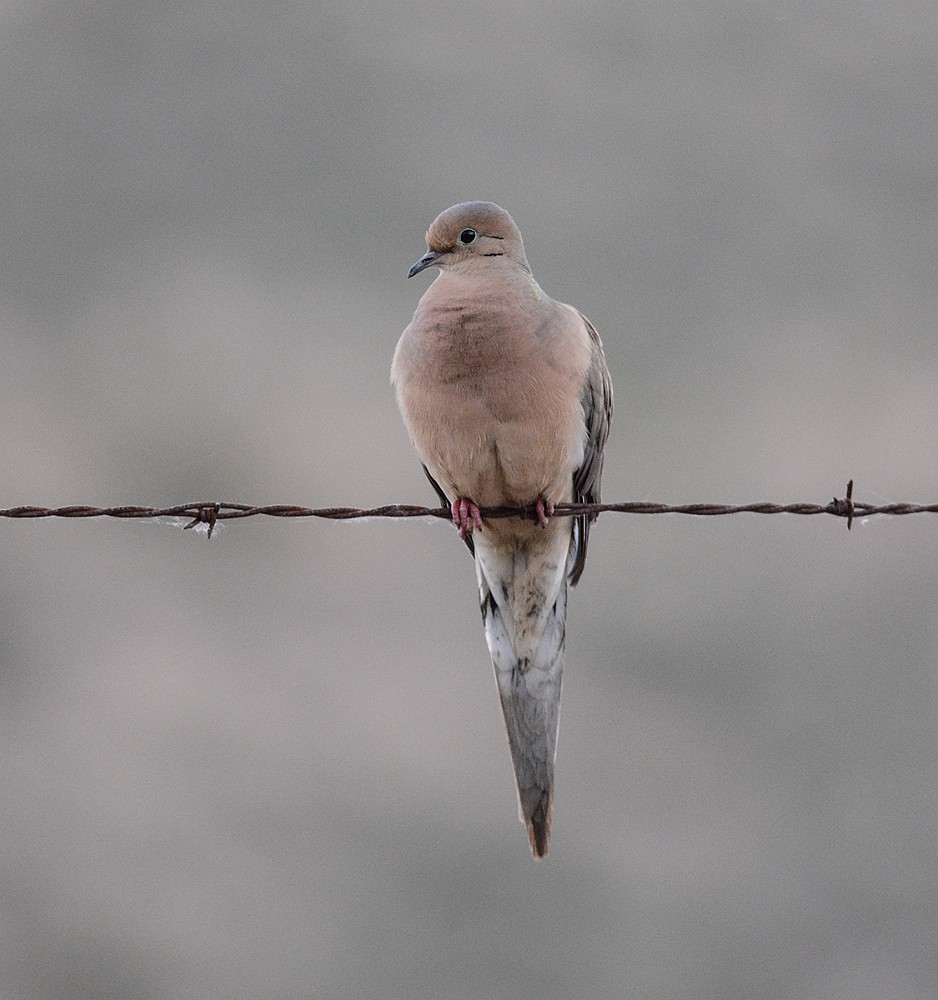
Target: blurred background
272 764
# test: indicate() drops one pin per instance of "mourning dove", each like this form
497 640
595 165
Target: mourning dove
506 395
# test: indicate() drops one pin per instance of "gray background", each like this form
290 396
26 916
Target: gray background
272 764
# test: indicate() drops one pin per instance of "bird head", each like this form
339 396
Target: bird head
472 234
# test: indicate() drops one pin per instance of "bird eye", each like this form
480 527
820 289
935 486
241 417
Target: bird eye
467 236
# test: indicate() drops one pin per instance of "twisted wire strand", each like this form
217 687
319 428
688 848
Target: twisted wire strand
211 512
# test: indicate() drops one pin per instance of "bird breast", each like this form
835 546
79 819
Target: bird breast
487 396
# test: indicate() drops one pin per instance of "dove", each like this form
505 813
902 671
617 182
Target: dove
508 401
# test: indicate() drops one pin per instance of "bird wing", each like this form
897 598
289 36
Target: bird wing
596 400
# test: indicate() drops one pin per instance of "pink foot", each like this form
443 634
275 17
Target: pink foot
466 516
544 509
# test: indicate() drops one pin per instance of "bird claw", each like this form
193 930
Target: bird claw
544 509
466 516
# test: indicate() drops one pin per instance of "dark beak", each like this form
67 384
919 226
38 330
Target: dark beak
430 257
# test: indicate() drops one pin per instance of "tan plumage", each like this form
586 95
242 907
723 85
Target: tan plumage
506 395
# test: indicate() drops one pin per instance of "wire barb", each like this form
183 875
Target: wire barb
207 514
211 512
843 507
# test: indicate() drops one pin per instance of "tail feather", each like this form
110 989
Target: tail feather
527 654
531 721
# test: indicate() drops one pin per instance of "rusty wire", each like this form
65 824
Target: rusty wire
211 512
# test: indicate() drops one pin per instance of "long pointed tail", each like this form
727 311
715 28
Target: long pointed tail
531 709
527 654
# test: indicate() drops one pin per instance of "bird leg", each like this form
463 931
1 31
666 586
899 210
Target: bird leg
544 509
466 516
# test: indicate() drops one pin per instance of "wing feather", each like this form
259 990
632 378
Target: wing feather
596 399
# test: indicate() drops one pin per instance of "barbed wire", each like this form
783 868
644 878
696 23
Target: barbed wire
211 512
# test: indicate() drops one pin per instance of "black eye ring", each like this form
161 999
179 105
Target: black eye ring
467 236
